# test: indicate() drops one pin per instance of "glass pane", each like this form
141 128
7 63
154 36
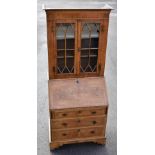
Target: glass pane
70 43
94 42
94 53
60 44
65 47
85 43
69 31
70 64
60 65
84 63
70 53
89 47
85 31
93 62
95 29
59 32
84 53
60 53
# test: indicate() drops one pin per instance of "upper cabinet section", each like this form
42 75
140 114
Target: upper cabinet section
77 40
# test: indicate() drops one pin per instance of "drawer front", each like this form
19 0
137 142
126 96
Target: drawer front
64 114
92 132
77 133
79 112
65 134
78 122
92 112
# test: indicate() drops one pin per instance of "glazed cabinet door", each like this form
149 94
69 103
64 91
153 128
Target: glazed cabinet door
65 38
89 47
77 49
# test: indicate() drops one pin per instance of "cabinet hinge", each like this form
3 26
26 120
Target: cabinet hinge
52 28
102 28
53 69
99 68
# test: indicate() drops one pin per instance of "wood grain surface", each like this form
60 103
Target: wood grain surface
77 17
81 92
78 122
78 102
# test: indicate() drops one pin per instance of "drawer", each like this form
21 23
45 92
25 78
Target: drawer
78 112
92 112
78 122
92 132
77 133
63 114
65 134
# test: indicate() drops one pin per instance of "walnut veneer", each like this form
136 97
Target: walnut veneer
78 110
78 104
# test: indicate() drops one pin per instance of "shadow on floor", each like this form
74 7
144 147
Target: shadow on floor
81 149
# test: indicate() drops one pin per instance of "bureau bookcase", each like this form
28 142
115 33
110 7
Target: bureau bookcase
78 104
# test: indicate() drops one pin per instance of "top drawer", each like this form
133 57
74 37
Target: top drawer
68 113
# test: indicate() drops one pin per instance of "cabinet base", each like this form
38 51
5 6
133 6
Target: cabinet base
57 144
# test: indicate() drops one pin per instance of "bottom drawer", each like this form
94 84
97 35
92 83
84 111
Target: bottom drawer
64 134
77 133
91 132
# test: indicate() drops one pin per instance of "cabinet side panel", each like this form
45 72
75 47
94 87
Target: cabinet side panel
103 44
50 40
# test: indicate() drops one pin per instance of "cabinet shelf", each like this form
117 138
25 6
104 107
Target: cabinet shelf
66 50
62 57
82 49
82 56
85 36
86 56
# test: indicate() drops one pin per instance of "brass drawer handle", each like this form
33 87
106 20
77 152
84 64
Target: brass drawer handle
64 124
93 112
94 122
64 134
92 132
64 114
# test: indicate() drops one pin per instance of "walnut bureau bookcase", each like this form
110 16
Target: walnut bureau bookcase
78 104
